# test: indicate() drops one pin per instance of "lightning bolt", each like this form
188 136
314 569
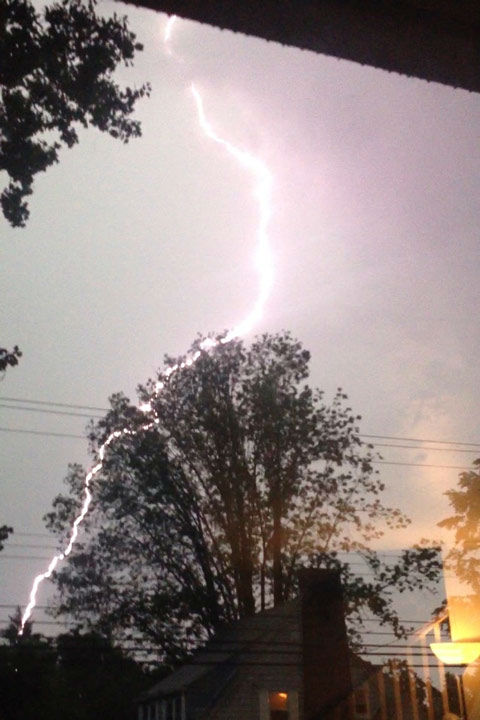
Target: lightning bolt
263 263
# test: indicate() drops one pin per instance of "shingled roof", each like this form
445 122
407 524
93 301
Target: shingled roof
234 646
269 637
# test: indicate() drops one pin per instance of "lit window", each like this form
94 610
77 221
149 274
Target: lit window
278 705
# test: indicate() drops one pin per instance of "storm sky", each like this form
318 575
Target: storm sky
131 250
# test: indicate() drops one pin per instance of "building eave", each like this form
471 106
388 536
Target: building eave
435 40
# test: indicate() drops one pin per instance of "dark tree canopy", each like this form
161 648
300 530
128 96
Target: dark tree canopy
245 474
75 675
56 73
5 531
9 358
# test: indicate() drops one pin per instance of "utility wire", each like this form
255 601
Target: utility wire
41 432
32 534
427 449
55 404
421 440
429 465
4 621
363 435
357 574
49 412
377 462
364 632
9 545
3 556
202 661
246 651
13 606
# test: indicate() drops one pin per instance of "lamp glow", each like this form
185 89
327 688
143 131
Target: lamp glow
456 653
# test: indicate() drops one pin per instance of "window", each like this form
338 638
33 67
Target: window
278 705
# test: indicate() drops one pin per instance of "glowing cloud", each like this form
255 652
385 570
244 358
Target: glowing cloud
264 268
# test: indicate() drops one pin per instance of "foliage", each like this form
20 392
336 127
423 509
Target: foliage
9 357
5 531
75 675
56 74
464 557
96 678
206 514
27 666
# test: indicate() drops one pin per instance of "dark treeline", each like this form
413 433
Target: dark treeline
76 675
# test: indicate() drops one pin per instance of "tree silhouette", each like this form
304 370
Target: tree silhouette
9 358
76 675
207 515
464 557
27 669
5 531
57 74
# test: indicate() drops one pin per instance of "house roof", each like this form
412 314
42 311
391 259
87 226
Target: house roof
273 634
437 40
181 679
232 645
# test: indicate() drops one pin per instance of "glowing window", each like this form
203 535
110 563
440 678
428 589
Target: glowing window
278 705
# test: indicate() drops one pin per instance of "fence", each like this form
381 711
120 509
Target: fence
417 687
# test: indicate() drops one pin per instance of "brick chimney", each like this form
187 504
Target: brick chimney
326 669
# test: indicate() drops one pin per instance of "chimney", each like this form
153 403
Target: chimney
326 668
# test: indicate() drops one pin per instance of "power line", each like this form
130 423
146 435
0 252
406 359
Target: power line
49 412
32 534
23 557
362 435
377 462
77 622
4 621
9 545
55 404
242 651
4 556
16 534
202 661
427 449
41 432
421 440
428 465
13 606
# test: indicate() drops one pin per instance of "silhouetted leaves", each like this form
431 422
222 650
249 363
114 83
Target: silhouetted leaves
56 74
5 531
9 358
464 557
75 675
206 515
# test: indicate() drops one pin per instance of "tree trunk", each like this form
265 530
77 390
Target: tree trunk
277 550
